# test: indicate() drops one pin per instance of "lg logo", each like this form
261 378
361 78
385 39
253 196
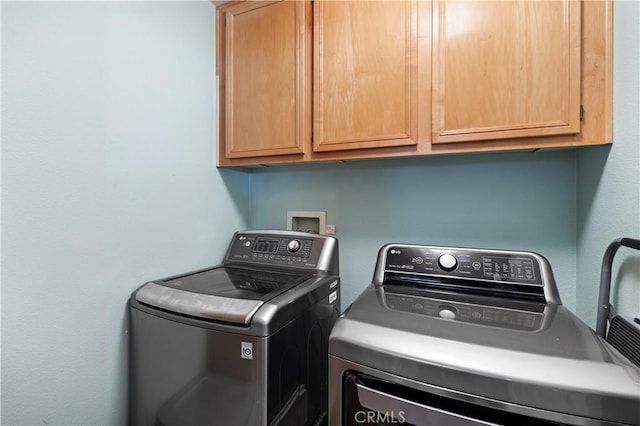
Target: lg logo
374 417
246 350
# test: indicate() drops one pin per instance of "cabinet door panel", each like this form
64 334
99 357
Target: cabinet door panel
505 69
268 104
365 74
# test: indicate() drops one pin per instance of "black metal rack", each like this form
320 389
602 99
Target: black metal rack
622 333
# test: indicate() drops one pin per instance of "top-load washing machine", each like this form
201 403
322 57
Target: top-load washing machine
240 344
461 337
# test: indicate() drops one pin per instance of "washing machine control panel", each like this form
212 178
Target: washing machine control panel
282 249
491 265
270 246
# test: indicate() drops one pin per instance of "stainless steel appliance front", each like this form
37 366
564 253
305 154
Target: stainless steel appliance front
463 337
244 343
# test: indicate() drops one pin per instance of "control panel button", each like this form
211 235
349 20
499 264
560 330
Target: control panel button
293 246
447 262
447 312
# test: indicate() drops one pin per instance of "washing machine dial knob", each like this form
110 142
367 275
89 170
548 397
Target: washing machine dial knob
447 262
293 246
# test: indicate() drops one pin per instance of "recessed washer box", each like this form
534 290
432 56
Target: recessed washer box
304 221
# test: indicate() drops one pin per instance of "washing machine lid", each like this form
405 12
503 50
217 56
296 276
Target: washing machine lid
227 294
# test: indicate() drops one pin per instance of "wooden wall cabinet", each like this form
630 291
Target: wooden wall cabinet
402 78
266 77
365 74
505 69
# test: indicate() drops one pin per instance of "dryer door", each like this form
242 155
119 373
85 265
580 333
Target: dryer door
386 407
373 401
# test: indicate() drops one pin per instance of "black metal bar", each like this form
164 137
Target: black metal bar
604 306
631 243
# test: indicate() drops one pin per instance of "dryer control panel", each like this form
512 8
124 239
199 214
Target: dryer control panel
476 264
501 273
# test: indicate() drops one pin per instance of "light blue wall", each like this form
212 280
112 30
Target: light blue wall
504 200
109 180
609 180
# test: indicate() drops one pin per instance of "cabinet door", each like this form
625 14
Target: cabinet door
505 69
267 78
365 74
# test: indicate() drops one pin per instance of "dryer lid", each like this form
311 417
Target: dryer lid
223 293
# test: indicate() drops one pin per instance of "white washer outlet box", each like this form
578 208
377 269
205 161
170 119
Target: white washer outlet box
304 221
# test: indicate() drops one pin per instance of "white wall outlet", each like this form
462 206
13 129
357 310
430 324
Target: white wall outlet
303 221
330 229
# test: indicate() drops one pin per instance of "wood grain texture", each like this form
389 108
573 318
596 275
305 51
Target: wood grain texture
505 69
597 72
595 86
365 74
267 61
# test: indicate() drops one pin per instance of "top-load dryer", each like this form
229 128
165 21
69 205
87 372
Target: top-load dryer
240 344
461 337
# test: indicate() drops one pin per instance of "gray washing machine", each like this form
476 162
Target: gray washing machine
462 337
243 343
